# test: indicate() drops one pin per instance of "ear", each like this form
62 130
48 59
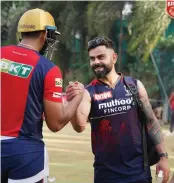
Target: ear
43 35
115 56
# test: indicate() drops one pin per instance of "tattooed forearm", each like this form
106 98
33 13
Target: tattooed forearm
152 123
153 126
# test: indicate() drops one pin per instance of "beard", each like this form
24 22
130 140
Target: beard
103 70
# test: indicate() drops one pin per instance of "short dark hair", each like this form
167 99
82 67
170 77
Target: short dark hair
99 41
34 34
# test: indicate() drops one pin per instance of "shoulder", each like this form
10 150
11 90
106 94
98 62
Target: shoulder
140 87
45 61
94 83
132 80
47 65
6 47
91 86
129 80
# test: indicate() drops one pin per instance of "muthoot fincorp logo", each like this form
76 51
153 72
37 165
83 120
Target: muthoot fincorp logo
116 102
116 105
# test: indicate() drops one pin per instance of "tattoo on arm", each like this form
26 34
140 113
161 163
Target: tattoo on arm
153 126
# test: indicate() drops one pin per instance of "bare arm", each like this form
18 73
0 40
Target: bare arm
57 116
80 118
153 125
155 132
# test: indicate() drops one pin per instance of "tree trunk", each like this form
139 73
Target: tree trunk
120 43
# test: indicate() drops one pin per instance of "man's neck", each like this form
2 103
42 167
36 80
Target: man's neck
111 79
29 44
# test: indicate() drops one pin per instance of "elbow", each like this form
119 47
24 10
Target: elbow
79 129
59 127
55 128
56 124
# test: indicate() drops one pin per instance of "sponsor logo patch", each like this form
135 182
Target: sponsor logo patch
26 26
57 95
15 69
103 96
58 82
116 105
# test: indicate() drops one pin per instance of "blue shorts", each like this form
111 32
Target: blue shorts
23 160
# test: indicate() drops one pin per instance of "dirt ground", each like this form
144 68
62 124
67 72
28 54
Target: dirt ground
71 159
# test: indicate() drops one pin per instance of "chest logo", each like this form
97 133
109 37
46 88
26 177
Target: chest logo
128 93
103 96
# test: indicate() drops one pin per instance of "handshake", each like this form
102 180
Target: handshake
74 89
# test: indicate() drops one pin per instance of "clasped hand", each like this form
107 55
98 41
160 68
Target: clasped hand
74 89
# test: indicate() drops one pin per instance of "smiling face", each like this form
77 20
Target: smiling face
102 61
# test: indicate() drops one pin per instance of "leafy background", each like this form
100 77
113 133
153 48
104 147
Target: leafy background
140 29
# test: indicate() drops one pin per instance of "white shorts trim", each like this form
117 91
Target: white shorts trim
6 137
41 175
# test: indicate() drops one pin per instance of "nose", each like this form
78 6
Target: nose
96 61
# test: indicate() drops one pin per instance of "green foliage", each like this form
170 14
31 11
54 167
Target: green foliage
145 73
80 21
166 43
165 61
9 11
100 20
152 23
72 20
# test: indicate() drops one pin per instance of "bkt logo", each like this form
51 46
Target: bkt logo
15 69
103 96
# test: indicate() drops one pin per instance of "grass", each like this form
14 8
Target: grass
71 159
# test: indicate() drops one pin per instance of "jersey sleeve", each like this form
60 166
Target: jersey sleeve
53 85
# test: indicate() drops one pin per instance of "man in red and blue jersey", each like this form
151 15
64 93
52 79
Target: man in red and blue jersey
31 86
115 125
171 101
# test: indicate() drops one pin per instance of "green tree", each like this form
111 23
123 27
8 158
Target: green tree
101 18
80 21
147 23
9 11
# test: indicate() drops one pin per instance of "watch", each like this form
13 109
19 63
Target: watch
163 155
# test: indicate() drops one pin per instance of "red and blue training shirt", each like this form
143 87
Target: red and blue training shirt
26 79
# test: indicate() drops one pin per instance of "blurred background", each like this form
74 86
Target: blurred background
144 37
